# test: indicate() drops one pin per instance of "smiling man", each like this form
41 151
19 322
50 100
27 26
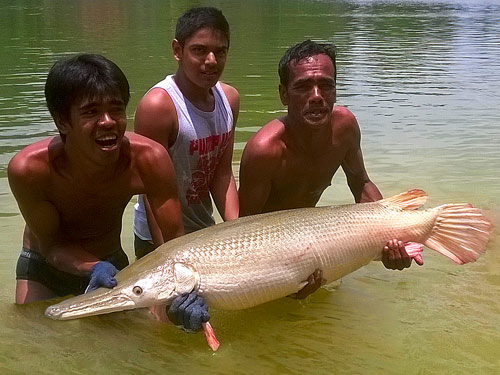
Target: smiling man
193 116
290 161
72 188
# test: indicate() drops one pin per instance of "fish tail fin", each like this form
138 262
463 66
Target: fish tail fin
460 232
410 200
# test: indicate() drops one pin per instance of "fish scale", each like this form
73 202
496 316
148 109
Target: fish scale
255 259
276 253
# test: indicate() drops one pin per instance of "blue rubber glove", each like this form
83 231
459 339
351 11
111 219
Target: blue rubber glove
188 311
102 274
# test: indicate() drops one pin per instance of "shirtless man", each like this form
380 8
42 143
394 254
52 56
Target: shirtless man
290 161
72 188
193 116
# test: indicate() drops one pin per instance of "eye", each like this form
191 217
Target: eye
137 290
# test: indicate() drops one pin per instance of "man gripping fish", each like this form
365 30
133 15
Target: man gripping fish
256 259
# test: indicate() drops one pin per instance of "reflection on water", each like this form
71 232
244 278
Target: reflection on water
422 78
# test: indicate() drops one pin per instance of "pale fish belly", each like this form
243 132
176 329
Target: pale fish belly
259 261
253 260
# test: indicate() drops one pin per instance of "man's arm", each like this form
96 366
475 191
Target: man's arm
26 178
223 186
394 255
158 176
260 159
156 118
362 188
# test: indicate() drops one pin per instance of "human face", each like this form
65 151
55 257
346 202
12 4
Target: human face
310 93
202 57
96 127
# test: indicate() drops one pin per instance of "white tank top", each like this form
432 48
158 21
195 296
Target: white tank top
200 143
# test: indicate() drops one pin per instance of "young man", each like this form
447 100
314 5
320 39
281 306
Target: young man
193 116
290 161
72 188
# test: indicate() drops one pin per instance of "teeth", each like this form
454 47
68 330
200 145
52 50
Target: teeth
106 138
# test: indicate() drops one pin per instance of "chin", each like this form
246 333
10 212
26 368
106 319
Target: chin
317 124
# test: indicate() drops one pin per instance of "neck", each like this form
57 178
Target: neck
80 168
202 98
307 141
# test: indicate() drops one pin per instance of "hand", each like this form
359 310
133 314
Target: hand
314 282
102 275
395 257
188 311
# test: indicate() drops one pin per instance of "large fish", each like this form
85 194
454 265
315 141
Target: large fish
255 259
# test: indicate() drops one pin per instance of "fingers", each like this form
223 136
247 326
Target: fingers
394 255
314 282
92 286
419 260
197 313
176 310
189 310
102 275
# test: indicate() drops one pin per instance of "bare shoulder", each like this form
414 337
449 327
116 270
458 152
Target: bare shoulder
230 91
144 149
33 163
232 95
344 117
156 100
156 117
269 141
344 123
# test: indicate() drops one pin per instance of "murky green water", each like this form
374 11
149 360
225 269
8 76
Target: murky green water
422 78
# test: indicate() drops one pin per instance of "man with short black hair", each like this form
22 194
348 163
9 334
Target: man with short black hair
72 188
290 161
193 116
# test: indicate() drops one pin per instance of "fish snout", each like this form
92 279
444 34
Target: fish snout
53 312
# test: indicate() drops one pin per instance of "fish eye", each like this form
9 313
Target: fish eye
137 290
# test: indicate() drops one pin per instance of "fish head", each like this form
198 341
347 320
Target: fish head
136 287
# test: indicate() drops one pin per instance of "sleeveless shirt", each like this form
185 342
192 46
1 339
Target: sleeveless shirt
201 140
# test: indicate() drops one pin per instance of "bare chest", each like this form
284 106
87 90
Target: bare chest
301 180
89 209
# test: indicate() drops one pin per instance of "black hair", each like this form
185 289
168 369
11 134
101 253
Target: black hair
304 50
85 75
195 19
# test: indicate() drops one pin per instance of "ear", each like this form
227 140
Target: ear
177 49
283 94
62 124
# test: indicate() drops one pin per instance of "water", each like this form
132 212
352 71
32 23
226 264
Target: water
421 77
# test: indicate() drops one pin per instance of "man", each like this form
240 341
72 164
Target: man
193 116
72 188
290 161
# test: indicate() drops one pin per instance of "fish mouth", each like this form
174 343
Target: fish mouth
100 301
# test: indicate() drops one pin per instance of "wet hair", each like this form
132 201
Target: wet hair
83 76
302 51
195 19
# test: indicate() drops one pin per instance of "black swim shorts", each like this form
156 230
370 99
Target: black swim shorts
31 265
142 247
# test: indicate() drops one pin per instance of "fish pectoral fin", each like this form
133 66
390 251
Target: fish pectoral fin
410 200
186 278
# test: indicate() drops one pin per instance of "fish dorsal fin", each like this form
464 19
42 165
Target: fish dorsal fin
410 200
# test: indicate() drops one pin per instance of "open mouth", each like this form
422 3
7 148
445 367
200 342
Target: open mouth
316 113
107 141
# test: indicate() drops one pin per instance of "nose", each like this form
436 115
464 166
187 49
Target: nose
210 59
316 95
105 120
